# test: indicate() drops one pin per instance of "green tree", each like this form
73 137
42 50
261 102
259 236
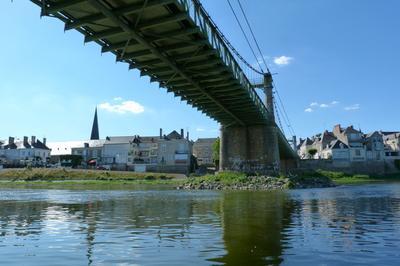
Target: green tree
215 148
312 152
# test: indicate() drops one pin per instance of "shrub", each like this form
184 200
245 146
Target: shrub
312 152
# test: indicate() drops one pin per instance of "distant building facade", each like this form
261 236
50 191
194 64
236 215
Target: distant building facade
391 144
344 144
163 153
203 151
25 151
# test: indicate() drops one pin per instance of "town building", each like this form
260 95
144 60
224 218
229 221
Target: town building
355 141
303 148
86 150
116 151
374 145
203 151
174 152
26 151
163 153
344 144
391 142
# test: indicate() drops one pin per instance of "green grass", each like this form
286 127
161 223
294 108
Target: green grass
85 179
40 174
225 178
94 184
342 178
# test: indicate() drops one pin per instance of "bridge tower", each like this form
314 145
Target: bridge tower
252 148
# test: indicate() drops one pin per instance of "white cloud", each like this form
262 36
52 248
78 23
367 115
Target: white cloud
314 106
199 129
117 99
352 107
123 107
283 60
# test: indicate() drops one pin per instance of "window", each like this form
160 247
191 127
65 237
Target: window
163 148
358 152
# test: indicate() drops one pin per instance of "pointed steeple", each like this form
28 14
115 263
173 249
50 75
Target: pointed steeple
95 127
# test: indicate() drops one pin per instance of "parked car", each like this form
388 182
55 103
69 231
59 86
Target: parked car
103 167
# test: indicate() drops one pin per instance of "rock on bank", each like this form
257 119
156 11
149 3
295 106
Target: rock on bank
258 183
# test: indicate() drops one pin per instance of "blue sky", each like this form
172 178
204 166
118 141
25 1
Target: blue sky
337 62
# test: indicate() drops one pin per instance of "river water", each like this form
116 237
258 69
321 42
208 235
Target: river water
354 225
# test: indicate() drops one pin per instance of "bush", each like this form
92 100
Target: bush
312 152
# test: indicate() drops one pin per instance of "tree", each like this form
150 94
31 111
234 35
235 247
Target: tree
312 152
215 148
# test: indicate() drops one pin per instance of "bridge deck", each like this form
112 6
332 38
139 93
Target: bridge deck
175 44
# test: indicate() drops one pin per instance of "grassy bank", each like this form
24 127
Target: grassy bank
91 179
94 179
239 181
225 178
342 178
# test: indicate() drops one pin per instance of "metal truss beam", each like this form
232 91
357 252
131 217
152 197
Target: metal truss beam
125 10
156 52
57 7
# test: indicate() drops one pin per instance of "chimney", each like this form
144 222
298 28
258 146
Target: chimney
44 141
33 140
182 134
161 133
187 135
10 140
25 140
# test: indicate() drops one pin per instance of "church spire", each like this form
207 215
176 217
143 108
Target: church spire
95 127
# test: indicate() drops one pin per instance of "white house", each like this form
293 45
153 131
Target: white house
25 151
344 144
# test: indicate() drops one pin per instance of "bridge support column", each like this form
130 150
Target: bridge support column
250 149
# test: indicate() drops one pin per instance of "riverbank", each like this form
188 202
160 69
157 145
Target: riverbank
63 174
86 179
341 178
95 179
238 181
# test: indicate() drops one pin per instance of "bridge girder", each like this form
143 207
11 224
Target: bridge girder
173 43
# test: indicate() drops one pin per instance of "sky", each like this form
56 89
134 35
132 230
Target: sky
336 62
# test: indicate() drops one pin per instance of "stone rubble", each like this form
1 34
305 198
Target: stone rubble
261 183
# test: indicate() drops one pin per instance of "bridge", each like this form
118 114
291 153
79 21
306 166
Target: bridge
176 43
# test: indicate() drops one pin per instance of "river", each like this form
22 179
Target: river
348 225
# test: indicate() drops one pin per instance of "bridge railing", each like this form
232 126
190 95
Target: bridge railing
209 29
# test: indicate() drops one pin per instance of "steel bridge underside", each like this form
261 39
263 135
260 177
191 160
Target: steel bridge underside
173 43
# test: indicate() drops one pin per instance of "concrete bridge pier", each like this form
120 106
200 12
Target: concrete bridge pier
250 149
253 148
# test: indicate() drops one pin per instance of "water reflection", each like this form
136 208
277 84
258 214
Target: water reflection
332 227
254 227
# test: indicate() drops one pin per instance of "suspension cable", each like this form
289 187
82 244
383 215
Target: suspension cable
240 57
278 117
225 39
252 34
244 34
284 113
